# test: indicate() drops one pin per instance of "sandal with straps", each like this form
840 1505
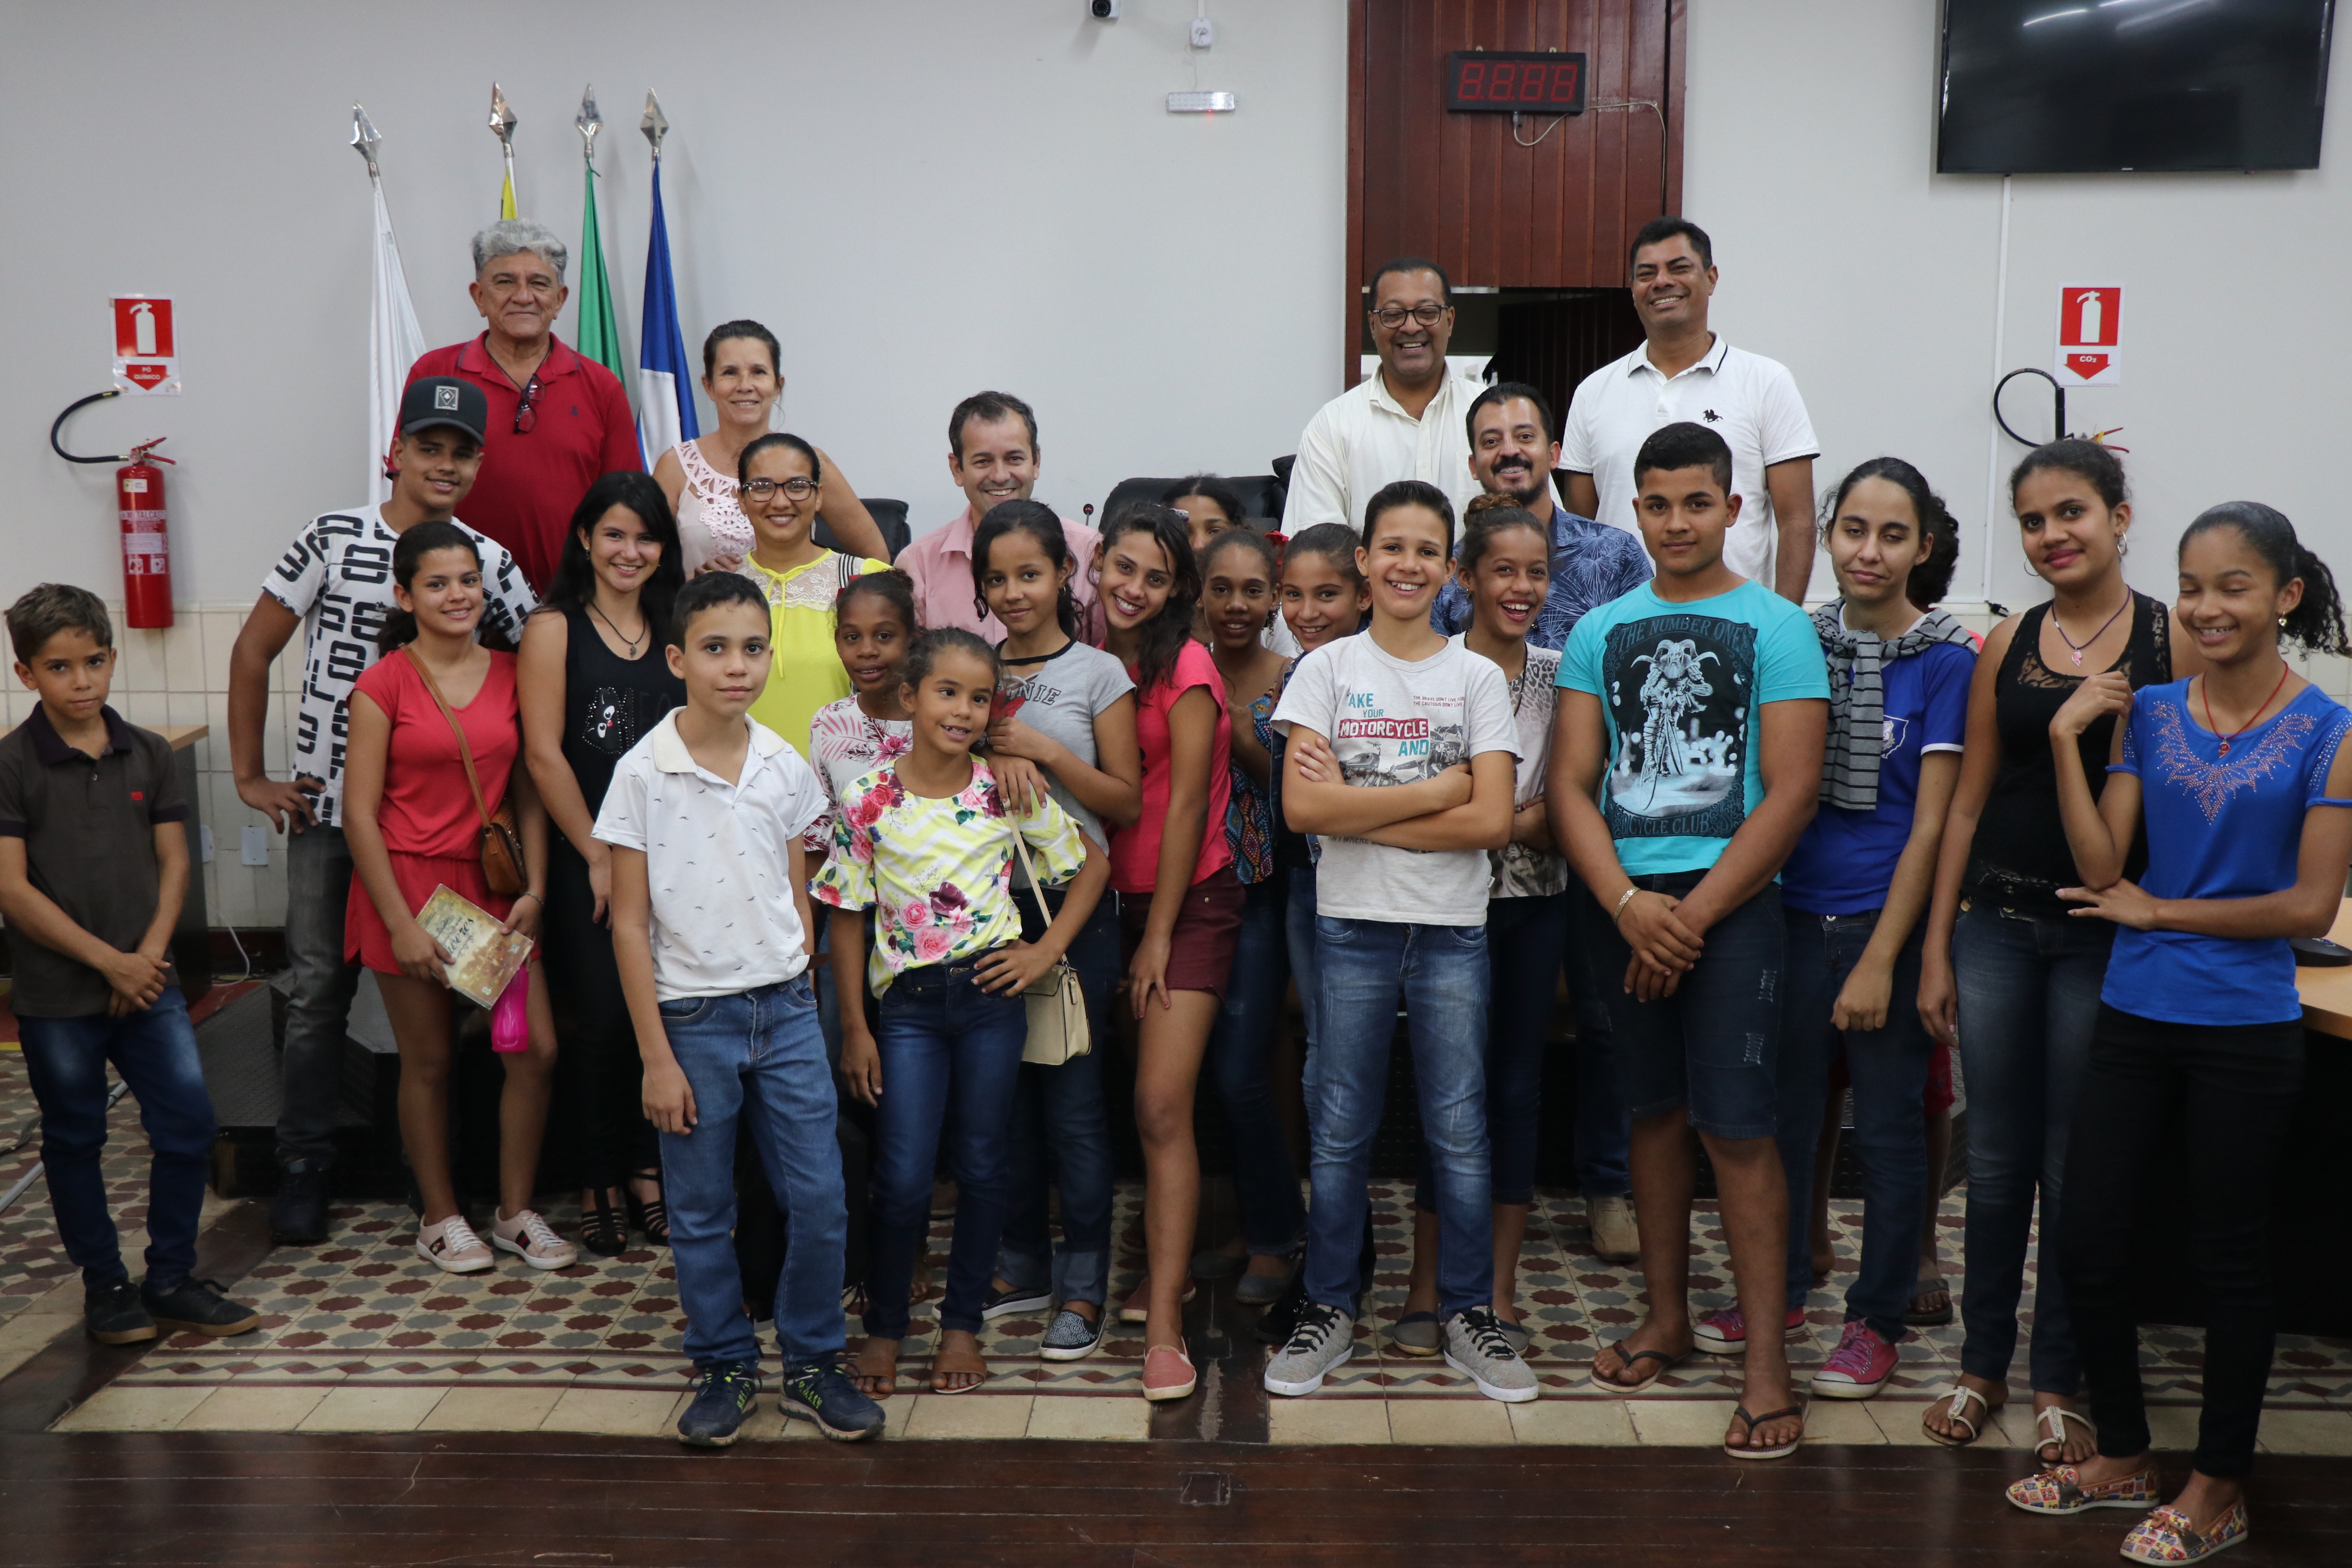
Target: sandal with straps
1960 1395
601 1227
2051 1419
1740 1413
648 1215
1667 1363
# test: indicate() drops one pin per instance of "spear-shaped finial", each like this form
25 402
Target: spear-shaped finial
654 125
588 123
364 137
503 118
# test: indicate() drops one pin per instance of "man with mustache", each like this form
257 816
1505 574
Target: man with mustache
1512 454
1684 372
1404 422
993 455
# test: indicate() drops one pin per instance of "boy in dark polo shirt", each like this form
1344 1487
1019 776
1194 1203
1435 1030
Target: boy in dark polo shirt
93 866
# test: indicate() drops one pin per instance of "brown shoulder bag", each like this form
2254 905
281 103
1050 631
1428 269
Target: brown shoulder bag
502 862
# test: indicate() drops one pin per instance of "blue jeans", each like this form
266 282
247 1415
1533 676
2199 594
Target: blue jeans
1265 1186
1712 1047
319 1011
1441 972
942 1035
1604 1129
2029 995
1525 941
1060 1133
1298 931
155 1051
1888 1066
762 1048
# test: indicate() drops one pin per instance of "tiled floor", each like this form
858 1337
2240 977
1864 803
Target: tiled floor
364 1335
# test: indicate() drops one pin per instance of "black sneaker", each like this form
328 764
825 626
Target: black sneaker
1072 1336
723 1399
113 1316
1004 1303
200 1307
297 1215
820 1393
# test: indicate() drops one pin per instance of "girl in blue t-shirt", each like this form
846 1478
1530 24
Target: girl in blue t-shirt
1854 892
2238 772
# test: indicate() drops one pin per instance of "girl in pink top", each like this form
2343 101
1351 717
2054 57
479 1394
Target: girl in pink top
1180 903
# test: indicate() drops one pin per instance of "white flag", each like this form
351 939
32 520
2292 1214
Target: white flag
394 343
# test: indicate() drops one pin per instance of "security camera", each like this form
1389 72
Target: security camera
1103 10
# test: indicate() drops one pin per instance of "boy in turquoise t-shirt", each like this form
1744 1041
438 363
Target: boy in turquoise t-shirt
1686 757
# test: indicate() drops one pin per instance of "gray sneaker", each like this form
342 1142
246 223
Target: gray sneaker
1476 1347
1072 1336
1325 1338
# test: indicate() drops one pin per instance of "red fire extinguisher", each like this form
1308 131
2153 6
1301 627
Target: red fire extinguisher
146 552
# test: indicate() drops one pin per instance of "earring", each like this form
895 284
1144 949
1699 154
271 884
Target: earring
2282 623
2123 544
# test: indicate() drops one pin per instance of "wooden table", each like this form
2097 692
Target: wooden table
2327 993
191 940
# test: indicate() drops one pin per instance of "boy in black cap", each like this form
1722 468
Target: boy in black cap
93 867
336 583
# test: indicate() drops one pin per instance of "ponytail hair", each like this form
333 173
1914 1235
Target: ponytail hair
1482 522
1931 579
893 587
1241 536
2073 454
1335 542
924 652
2316 623
1161 639
1037 520
399 628
769 443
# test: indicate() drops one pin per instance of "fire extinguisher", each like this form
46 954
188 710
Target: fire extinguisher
139 508
146 553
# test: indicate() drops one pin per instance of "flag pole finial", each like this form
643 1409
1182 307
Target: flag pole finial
364 137
654 124
502 118
588 121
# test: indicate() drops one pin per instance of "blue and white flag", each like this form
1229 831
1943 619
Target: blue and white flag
665 382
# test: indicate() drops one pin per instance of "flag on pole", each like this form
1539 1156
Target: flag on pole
596 332
666 413
395 341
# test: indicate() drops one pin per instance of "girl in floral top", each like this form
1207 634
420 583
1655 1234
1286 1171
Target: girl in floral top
1238 604
872 622
927 843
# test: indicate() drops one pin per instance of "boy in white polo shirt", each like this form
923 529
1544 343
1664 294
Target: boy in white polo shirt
712 931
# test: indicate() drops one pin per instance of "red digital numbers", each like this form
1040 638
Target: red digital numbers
1563 83
1499 82
1502 86
1474 81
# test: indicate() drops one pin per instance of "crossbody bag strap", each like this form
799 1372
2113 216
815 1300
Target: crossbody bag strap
465 749
1037 888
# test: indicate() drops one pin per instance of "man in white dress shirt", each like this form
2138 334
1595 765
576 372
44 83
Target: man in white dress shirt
1404 422
1686 372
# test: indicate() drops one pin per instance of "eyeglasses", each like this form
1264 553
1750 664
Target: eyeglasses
526 416
797 487
1392 316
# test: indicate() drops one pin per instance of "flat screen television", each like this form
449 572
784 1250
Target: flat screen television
2049 87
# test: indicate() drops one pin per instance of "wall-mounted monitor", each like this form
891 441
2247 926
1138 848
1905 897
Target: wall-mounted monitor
2047 86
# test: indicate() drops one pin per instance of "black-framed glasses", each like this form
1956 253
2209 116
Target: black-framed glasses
798 487
1393 316
526 410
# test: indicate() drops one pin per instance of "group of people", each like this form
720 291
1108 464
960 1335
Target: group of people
811 842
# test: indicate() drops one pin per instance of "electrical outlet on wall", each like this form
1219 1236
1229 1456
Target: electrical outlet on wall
253 847
204 845
1204 33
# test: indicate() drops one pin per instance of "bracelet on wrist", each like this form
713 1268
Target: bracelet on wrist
1618 914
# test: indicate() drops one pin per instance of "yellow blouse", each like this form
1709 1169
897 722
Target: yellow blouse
807 672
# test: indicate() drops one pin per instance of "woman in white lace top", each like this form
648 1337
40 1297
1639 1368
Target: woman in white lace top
739 371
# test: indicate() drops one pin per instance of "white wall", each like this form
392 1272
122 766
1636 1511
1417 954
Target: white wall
1809 160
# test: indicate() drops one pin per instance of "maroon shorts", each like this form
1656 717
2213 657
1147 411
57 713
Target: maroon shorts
1940 1095
1208 928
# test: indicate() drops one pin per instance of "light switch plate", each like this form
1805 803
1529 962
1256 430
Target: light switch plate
204 845
253 847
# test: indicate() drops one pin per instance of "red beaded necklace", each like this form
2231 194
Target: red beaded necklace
2205 690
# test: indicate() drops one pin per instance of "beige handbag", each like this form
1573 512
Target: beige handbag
1057 1004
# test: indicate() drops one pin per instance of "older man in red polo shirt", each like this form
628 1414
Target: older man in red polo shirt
557 420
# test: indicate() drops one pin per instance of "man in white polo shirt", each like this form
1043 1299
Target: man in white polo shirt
1404 422
1686 372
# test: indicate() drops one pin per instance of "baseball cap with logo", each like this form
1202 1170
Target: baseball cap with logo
445 400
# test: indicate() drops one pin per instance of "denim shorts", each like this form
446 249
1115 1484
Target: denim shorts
1713 1044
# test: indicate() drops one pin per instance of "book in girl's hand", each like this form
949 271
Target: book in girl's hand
483 954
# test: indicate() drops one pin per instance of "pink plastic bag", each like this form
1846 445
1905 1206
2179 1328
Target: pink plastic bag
510 1019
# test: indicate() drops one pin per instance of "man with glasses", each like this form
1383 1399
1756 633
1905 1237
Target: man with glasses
1404 422
556 420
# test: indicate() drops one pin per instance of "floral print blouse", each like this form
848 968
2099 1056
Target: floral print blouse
938 873
846 744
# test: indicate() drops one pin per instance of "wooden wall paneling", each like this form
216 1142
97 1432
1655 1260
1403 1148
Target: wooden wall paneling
1359 42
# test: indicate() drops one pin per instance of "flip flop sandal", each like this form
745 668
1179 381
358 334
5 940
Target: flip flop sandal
1929 1316
2051 1419
931 1388
1784 1450
1961 1396
1632 1359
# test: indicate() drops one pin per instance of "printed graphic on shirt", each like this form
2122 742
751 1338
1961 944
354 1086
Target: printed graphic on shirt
1376 750
612 723
1892 732
1679 690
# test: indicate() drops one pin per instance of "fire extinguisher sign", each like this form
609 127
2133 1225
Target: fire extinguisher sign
146 350
2090 334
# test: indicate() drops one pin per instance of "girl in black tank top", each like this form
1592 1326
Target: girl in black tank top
2018 860
582 709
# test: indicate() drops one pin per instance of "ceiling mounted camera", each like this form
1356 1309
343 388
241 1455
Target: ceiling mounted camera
1103 10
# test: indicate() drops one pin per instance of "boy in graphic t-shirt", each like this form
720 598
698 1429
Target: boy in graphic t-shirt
1402 754
1686 759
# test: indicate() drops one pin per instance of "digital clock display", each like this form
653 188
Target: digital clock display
1495 81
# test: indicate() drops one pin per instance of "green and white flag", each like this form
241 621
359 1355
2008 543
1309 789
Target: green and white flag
597 332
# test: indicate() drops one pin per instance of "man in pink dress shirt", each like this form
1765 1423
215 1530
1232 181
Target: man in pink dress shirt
993 455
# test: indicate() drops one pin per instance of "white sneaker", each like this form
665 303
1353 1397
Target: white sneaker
1616 1236
453 1245
1324 1339
532 1239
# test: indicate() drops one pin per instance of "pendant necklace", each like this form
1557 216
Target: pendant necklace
2077 647
2205 689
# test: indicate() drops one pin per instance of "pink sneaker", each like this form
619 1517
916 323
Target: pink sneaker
1725 1333
1168 1374
1858 1367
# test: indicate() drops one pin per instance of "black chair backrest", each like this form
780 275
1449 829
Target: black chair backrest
1262 496
889 516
